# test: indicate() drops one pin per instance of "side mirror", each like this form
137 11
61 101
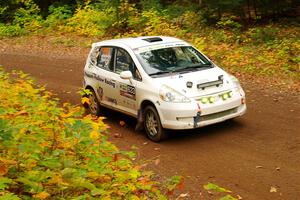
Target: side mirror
126 75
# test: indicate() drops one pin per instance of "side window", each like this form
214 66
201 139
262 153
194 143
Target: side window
104 58
93 55
124 62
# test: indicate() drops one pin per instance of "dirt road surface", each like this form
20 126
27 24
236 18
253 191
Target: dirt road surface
248 155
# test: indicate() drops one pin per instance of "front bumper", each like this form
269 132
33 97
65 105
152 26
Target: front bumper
189 116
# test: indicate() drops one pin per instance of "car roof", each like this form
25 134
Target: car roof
137 42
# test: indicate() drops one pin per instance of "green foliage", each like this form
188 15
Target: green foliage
58 15
262 34
91 22
28 16
8 30
227 22
212 186
151 5
151 22
190 21
50 152
259 50
215 188
174 182
3 9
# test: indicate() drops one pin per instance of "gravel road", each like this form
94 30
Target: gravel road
247 155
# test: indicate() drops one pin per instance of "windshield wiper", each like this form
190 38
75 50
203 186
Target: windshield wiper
194 67
160 72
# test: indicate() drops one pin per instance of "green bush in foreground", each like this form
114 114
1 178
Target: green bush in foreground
48 152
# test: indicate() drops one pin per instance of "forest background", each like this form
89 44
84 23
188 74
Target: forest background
250 37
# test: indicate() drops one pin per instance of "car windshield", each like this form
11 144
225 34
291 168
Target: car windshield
179 59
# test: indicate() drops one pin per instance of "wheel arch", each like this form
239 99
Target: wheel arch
88 87
161 134
144 104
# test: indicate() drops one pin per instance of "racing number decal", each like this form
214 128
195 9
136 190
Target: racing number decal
127 91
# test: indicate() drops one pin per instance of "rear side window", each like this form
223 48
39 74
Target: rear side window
102 57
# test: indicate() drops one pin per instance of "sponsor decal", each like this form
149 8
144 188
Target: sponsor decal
127 91
109 82
155 47
90 75
111 100
112 83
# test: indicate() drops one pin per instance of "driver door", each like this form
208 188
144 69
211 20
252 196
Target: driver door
126 96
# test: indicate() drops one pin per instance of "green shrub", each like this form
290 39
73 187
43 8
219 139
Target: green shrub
90 22
227 22
8 30
262 34
58 15
28 16
155 24
48 152
151 5
190 21
221 36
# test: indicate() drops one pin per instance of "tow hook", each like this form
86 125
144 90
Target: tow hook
197 119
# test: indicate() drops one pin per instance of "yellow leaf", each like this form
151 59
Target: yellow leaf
22 112
273 189
8 162
85 100
3 170
42 195
92 174
94 135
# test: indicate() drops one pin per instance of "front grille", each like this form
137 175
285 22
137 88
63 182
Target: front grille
218 114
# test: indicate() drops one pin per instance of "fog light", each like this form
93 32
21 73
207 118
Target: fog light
225 96
211 99
230 94
204 100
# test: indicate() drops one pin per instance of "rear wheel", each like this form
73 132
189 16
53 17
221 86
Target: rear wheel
152 125
94 105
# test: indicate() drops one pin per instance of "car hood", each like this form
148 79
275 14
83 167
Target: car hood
203 82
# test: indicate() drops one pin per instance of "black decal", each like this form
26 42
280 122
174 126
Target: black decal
112 83
127 91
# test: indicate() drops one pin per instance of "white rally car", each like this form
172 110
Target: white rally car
162 81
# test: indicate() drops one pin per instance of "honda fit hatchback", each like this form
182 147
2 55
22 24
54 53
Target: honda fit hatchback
164 82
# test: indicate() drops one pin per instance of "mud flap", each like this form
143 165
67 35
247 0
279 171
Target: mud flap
139 124
197 119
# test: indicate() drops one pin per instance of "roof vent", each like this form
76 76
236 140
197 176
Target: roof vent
153 39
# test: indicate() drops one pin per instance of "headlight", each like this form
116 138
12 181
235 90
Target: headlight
235 81
168 94
237 85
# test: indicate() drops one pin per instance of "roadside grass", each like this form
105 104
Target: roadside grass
47 151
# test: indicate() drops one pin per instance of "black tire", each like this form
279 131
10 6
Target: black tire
94 105
152 125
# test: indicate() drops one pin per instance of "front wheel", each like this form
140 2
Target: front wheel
152 125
